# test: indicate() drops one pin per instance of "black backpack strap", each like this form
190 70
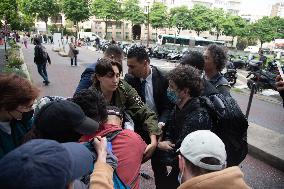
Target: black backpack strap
112 135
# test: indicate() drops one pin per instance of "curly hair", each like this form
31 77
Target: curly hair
92 103
187 77
219 55
139 53
15 91
193 58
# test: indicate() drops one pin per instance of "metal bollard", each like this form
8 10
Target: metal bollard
253 87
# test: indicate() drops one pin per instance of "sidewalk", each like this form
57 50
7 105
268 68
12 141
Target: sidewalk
264 144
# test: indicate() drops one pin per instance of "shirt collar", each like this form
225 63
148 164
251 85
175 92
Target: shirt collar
149 77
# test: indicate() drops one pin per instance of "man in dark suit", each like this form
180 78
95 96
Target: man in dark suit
151 84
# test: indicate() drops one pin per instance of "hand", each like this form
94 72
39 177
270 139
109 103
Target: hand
100 144
166 145
150 149
161 125
279 83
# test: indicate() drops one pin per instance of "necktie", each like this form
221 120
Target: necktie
143 84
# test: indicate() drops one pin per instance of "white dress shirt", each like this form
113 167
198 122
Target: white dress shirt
149 94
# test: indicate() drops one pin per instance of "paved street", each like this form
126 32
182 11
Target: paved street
65 78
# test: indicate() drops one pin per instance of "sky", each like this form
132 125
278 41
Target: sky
258 7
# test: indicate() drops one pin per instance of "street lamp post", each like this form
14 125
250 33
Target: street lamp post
148 22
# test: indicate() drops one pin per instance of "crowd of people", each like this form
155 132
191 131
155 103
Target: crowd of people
100 137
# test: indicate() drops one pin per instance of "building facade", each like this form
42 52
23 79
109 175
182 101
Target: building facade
277 10
124 30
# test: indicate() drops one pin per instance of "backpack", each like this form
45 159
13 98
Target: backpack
117 182
42 54
229 124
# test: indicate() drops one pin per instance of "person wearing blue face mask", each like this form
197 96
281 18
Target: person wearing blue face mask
185 86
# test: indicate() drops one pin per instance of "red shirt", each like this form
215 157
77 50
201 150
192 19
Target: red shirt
128 147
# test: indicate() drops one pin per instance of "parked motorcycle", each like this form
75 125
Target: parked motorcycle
231 74
254 65
263 80
239 62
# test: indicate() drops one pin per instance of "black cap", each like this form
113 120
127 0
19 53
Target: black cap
61 116
44 164
113 110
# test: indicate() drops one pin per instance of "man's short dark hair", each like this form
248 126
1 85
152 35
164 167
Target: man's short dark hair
93 103
139 53
193 58
219 56
113 51
198 170
187 77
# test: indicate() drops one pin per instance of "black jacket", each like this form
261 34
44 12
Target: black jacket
160 86
189 119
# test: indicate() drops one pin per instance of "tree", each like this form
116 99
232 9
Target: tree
217 20
200 18
263 30
9 10
158 16
107 10
76 11
42 9
180 18
234 26
133 12
278 25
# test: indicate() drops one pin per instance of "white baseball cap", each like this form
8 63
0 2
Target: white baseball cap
202 144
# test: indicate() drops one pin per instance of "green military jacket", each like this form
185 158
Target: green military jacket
127 99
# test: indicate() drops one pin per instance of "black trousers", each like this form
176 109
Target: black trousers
163 179
75 60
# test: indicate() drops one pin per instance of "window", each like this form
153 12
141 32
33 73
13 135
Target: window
126 25
109 25
126 35
109 35
118 25
118 35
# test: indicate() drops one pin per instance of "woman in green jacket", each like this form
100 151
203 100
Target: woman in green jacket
17 96
118 92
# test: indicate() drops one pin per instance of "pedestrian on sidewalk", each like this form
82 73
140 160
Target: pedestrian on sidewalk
41 58
25 41
73 52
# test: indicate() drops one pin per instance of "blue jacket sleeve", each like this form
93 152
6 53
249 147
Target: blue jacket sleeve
86 79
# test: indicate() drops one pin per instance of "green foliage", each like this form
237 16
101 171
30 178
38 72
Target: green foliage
200 18
217 20
234 25
76 10
180 18
158 15
263 30
15 70
243 42
278 25
107 10
9 9
41 8
133 12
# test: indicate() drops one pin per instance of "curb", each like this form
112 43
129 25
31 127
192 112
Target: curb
266 145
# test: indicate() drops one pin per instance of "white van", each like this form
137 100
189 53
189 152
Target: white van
252 49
